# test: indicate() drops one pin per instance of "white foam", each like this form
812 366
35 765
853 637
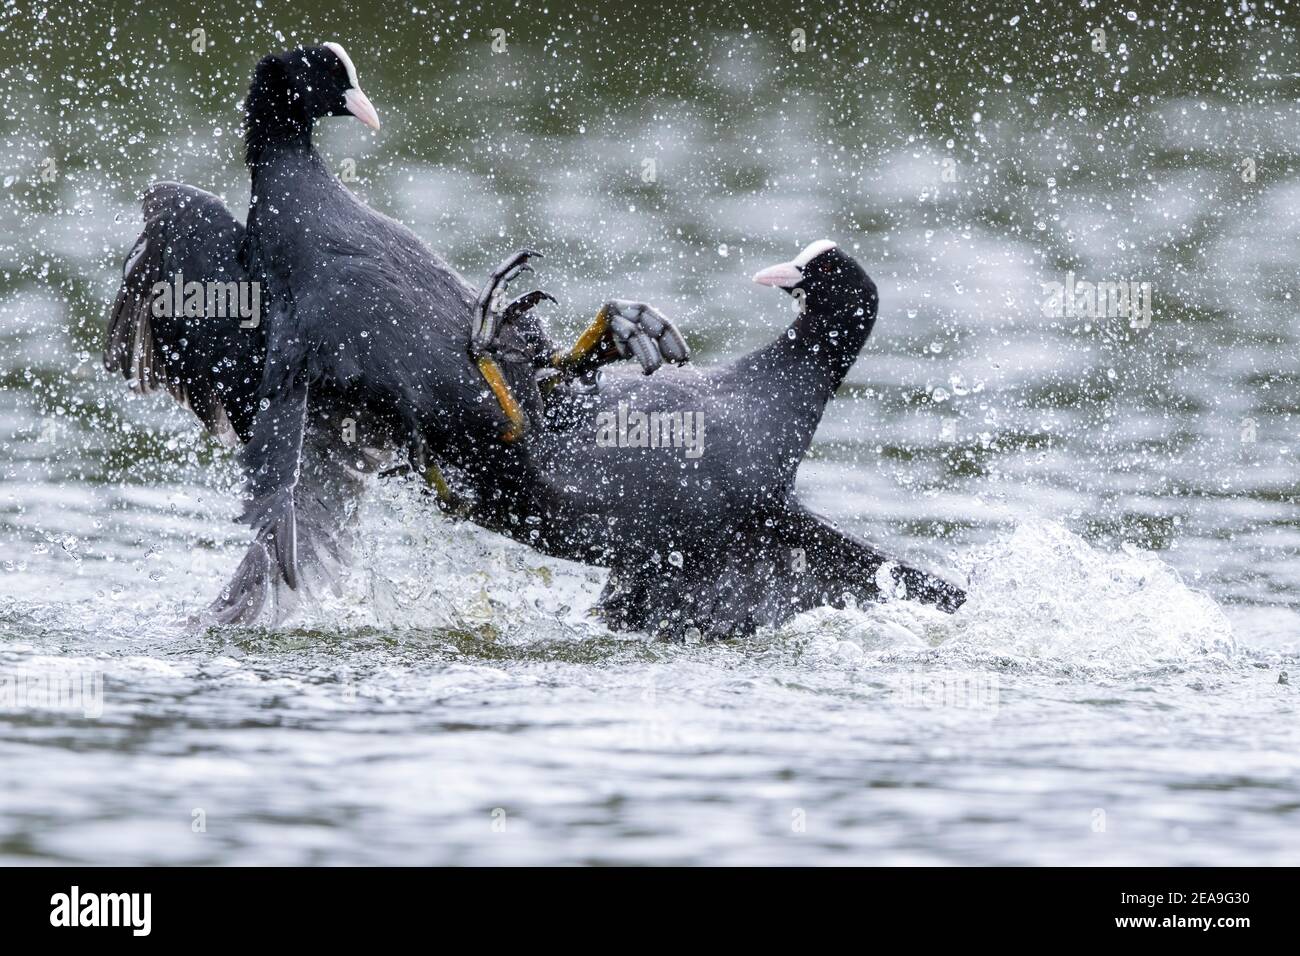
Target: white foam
1043 594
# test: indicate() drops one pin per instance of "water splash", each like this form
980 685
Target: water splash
1042 594
417 569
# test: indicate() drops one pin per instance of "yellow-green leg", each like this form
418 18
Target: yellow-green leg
505 398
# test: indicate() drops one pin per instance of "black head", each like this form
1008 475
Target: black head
292 90
825 280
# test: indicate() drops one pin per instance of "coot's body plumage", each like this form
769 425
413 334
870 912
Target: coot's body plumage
363 338
712 537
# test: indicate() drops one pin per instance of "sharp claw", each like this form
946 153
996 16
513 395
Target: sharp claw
523 304
518 259
486 324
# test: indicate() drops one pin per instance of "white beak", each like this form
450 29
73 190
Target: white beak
787 275
358 104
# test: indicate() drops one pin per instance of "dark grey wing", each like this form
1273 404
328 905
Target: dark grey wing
302 490
210 363
829 563
760 575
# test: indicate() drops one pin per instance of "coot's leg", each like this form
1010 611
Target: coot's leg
490 318
622 329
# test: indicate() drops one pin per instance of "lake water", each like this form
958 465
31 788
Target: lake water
1121 491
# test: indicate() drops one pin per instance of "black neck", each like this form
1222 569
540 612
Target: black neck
816 351
274 120
836 331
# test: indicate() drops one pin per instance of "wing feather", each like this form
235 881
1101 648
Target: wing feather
211 365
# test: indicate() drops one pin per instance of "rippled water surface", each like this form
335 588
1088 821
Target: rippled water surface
1122 499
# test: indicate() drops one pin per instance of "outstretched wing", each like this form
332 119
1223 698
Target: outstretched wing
836 562
302 490
791 561
211 363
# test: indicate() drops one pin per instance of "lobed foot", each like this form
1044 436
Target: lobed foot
624 329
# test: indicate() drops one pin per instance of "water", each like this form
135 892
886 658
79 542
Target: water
1121 687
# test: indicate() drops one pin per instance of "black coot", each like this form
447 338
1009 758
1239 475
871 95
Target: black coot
362 336
683 484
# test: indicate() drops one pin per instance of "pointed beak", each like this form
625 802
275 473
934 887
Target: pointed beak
787 275
358 104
